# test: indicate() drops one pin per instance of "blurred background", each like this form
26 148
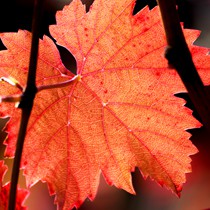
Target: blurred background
16 15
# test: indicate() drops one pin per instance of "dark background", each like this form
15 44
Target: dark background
195 14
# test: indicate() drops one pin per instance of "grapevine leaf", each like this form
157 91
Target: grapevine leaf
119 112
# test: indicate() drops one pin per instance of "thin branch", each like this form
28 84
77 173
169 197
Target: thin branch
180 58
26 102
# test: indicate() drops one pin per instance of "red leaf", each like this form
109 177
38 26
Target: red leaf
120 112
4 192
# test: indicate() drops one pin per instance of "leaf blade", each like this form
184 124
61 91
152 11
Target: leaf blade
114 118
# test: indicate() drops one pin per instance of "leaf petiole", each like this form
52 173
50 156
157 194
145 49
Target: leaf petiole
11 99
58 85
17 98
12 81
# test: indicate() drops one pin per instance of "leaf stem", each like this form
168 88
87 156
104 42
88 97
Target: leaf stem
26 102
179 56
12 82
58 85
11 99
